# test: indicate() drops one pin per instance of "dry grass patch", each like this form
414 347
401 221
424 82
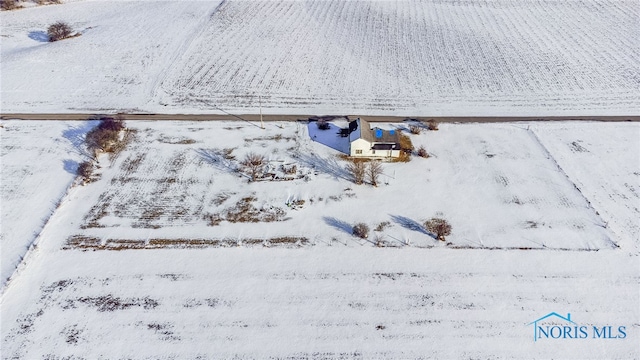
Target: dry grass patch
289 240
188 243
276 137
406 148
97 212
111 303
82 242
131 164
245 211
176 140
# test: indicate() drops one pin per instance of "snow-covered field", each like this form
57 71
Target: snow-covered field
610 181
132 266
500 57
171 253
124 48
497 186
39 161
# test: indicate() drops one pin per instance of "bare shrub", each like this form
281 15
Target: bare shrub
415 129
374 170
85 170
59 31
361 230
379 241
438 226
422 152
357 169
290 169
253 165
323 124
383 225
432 125
106 136
227 153
288 241
9 4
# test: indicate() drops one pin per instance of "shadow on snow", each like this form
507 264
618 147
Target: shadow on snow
39 36
330 137
338 224
410 224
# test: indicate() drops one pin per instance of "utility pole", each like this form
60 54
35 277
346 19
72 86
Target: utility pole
260 103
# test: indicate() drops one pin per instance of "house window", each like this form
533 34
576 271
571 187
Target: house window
358 152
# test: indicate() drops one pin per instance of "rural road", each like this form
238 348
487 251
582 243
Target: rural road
270 117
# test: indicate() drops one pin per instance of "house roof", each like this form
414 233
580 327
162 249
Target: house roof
375 136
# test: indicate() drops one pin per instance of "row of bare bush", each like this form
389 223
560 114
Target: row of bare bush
437 226
106 137
416 129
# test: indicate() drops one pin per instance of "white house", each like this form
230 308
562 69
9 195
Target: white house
372 143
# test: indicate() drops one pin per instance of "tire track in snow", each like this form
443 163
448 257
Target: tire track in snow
546 151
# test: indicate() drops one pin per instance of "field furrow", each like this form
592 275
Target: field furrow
391 56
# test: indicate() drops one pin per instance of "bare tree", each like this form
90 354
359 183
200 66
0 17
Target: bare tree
253 164
438 226
59 30
357 169
106 136
374 170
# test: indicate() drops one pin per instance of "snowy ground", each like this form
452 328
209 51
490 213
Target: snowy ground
124 48
303 287
610 181
475 58
39 161
497 186
320 303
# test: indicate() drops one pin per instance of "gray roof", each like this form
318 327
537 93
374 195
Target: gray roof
366 133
